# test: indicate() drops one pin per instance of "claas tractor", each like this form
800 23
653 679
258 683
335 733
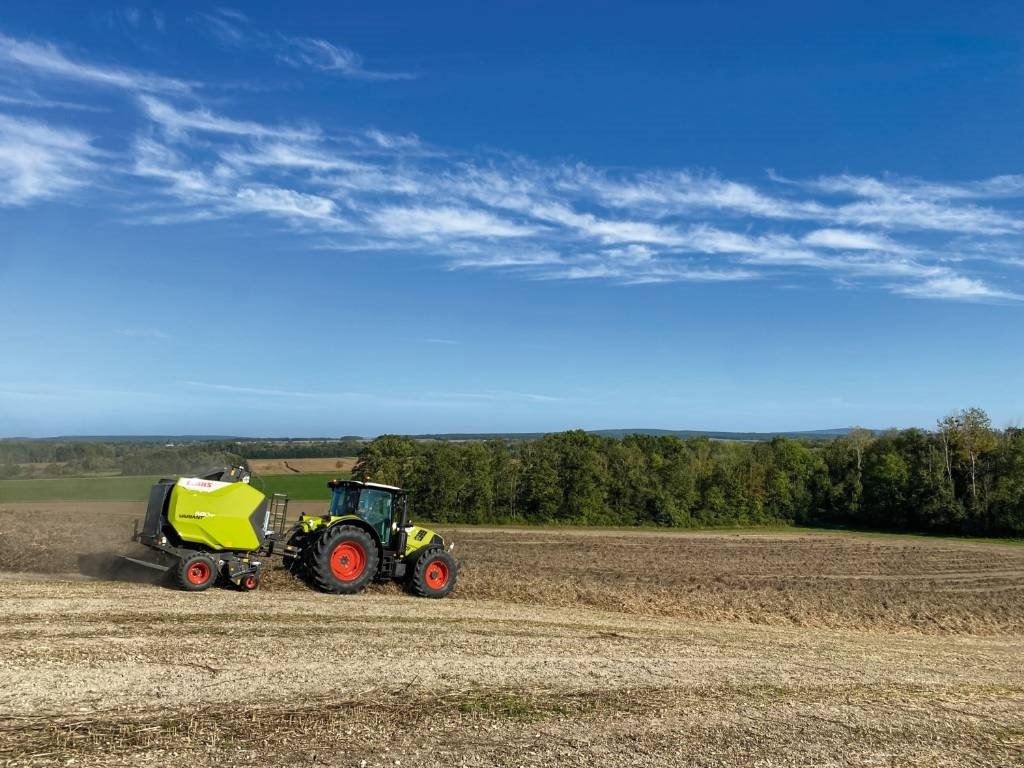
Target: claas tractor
217 526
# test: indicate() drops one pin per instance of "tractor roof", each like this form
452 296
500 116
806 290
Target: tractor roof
361 484
381 485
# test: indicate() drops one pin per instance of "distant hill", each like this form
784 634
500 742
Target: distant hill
815 434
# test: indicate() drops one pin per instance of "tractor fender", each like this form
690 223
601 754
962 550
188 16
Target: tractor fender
433 543
356 522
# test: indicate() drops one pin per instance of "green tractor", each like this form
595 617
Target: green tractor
218 526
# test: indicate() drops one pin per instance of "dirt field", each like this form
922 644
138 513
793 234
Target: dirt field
299 466
558 648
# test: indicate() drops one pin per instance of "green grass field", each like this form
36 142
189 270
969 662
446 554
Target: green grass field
310 487
77 489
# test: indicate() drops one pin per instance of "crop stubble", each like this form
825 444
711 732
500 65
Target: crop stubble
560 647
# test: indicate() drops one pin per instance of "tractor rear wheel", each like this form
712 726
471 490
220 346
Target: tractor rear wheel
434 574
196 572
343 560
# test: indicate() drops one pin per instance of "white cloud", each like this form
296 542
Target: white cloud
287 203
35 101
47 59
897 214
844 239
261 391
369 190
605 230
225 25
678 192
956 287
39 162
491 258
321 55
292 156
392 140
438 222
178 122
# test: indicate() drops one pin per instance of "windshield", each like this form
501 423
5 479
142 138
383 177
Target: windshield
343 501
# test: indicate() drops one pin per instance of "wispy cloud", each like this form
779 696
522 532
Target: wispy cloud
314 53
367 190
492 396
47 59
33 100
434 223
289 204
38 161
392 140
956 287
180 121
233 29
241 390
843 239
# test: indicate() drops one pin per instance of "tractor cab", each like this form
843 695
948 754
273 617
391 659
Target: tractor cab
383 507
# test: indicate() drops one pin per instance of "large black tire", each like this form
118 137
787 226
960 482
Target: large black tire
434 574
196 572
343 560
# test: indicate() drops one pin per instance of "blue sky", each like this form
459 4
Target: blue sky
359 218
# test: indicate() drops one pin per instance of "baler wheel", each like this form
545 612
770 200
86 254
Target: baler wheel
434 574
196 572
343 560
249 583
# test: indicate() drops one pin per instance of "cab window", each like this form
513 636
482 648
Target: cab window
375 508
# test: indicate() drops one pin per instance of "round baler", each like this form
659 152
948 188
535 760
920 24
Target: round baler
218 526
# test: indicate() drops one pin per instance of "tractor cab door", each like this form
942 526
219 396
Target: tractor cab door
377 507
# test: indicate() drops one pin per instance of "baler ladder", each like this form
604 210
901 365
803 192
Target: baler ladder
277 514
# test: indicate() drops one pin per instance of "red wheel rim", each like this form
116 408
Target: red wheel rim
199 572
437 574
250 582
348 561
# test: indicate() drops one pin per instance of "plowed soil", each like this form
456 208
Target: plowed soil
557 648
301 466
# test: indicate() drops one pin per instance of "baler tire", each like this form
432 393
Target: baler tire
434 574
196 572
249 583
343 560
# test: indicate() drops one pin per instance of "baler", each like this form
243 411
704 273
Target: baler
218 526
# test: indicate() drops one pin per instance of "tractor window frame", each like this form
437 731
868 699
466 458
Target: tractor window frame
380 524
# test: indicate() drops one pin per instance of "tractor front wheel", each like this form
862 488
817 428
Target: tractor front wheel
343 560
196 572
434 574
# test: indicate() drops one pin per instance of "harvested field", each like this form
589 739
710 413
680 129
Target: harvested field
565 647
299 466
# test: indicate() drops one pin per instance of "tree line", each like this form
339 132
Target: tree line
21 458
965 478
46 458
